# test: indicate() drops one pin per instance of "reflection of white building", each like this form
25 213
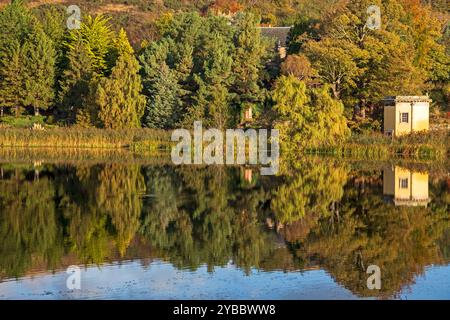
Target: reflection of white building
406 187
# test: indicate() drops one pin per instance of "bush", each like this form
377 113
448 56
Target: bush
22 122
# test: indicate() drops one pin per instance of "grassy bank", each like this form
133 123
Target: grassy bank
432 145
74 137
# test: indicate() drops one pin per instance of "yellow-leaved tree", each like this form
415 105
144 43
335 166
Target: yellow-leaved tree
308 117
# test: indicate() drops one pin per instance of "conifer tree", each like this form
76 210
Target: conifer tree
53 20
166 86
164 104
249 56
120 46
16 24
118 97
75 83
90 56
96 34
213 98
39 62
11 82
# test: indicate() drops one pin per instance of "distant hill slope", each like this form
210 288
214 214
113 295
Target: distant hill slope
138 16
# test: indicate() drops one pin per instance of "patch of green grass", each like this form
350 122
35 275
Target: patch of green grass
22 122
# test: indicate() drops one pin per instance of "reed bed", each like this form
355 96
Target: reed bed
75 137
431 145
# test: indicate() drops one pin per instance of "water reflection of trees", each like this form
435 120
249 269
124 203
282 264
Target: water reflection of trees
366 230
203 216
29 230
313 214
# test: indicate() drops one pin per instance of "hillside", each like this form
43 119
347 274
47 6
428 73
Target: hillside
138 16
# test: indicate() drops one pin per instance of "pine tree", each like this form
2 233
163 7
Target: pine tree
16 24
248 60
11 84
39 62
53 20
118 97
212 99
120 46
163 109
96 34
76 82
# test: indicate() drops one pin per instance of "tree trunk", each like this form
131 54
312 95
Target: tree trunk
363 112
1 112
362 107
36 111
336 93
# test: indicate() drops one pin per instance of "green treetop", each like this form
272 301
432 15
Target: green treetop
119 99
308 117
96 34
39 62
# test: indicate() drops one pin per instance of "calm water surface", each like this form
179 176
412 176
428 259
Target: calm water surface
145 229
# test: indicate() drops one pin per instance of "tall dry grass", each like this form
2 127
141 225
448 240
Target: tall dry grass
75 137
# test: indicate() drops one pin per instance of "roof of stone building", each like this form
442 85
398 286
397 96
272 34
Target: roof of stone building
280 34
407 99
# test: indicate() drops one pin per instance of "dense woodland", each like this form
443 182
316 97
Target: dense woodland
207 60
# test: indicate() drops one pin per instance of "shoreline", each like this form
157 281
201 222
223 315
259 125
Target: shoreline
421 146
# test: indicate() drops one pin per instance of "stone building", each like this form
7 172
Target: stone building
406 114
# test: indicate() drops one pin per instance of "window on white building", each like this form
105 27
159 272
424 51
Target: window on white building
404 117
403 183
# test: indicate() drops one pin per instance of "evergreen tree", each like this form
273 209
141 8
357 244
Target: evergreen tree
75 83
164 104
53 20
119 99
97 36
218 65
11 81
39 62
248 61
16 24
120 46
212 99
91 55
